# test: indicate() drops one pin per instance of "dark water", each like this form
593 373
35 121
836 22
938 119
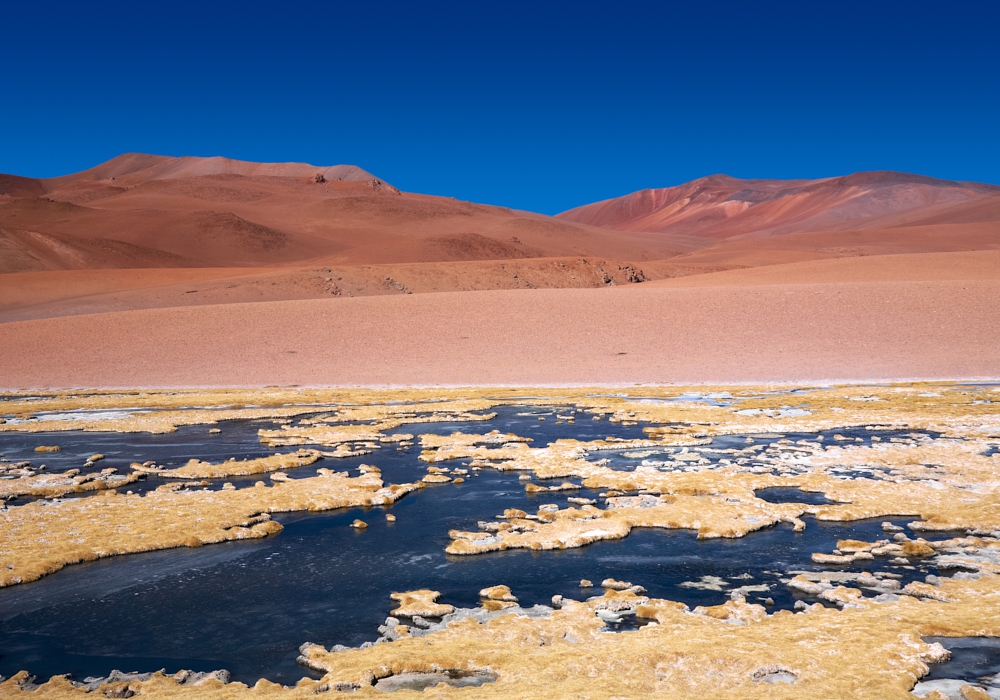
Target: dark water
778 494
247 606
973 660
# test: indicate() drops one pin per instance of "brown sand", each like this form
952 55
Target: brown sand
924 267
27 295
720 334
819 245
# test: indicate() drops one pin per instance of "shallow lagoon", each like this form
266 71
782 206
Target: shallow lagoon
247 606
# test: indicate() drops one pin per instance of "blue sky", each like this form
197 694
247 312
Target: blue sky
540 106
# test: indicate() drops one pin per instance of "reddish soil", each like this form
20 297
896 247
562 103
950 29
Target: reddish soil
150 270
27 295
180 213
923 267
639 333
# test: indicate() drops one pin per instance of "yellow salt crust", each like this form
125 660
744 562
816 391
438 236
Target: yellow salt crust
319 432
39 538
196 469
576 527
55 485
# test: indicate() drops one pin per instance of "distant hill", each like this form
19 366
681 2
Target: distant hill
146 211
721 207
147 231
137 168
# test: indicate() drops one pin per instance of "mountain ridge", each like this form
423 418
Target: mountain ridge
137 168
216 230
721 206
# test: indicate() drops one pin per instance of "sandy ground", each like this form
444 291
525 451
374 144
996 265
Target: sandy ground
29 295
640 333
923 267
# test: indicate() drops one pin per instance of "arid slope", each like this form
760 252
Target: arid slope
720 206
140 211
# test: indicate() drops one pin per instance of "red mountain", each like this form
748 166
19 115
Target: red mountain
720 206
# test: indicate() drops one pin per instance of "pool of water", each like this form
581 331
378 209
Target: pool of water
778 494
974 660
247 606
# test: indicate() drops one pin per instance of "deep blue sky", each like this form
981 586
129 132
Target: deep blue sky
539 106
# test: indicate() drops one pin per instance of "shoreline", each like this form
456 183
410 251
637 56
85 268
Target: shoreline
7 393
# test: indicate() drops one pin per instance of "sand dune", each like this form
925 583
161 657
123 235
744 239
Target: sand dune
721 334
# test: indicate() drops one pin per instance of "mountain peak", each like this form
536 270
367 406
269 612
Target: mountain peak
144 167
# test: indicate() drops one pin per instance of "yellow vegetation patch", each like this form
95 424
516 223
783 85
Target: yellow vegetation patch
720 652
947 483
420 603
196 469
320 435
39 538
498 593
55 485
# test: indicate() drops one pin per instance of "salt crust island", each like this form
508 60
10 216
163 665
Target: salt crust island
940 468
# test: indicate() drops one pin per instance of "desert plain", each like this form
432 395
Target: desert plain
837 340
